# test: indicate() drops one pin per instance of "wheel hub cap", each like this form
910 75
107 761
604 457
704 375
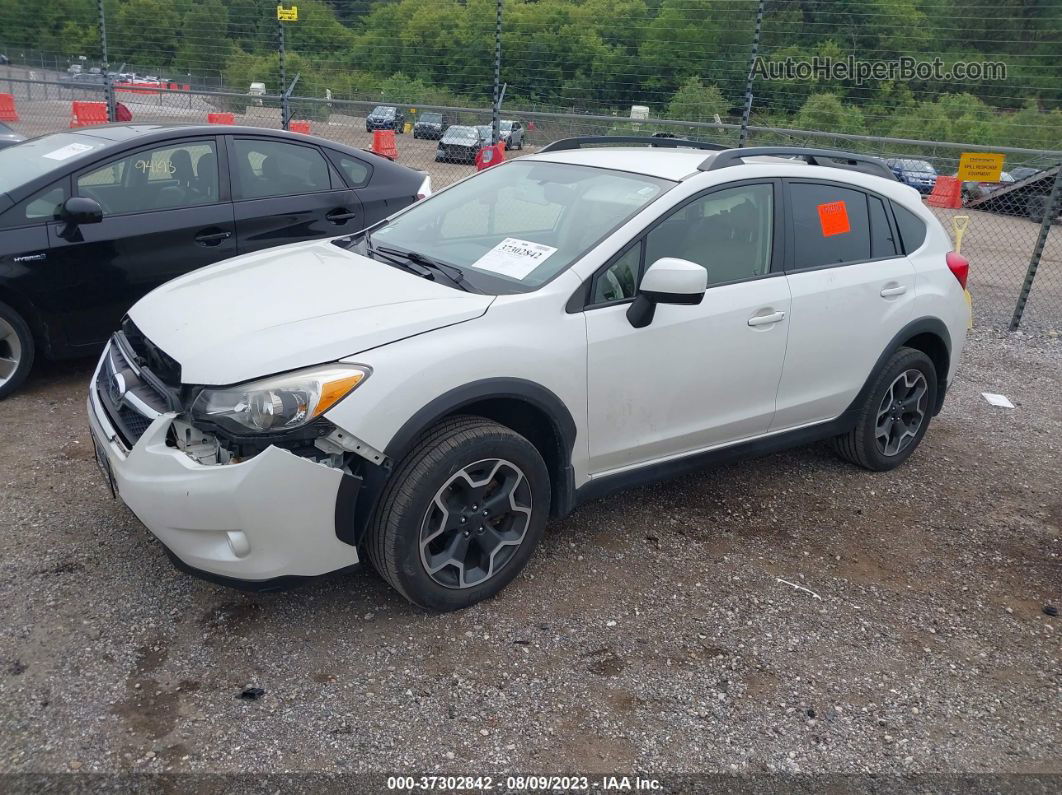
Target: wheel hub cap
475 523
10 351
901 413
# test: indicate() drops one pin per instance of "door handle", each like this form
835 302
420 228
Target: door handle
341 215
888 292
766 320
211 238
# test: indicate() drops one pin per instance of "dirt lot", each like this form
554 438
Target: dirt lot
652 631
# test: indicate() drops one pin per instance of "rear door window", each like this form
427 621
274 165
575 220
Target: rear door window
882 240
831 225
276 168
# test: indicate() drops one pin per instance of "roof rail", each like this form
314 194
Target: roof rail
671 143
817 157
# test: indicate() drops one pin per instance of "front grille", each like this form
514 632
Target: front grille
149 355
130 402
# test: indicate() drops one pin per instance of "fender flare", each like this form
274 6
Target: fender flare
923 325
513 388
357 503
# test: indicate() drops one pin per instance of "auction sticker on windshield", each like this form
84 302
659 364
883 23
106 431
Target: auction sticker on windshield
514 258
67 151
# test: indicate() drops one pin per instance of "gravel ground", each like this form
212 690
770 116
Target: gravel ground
652 631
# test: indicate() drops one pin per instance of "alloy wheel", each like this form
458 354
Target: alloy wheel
10 351
901 413
475 524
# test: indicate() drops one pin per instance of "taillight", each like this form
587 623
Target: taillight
959 267
424 191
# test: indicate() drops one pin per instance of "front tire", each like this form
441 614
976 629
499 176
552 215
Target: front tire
461 514
17 350
894 415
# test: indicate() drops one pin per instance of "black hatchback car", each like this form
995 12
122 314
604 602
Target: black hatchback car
93 219
459 144
385 117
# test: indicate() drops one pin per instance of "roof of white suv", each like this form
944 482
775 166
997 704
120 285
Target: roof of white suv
673 164
679 159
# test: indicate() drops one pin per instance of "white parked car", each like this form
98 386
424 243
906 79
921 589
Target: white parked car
429 392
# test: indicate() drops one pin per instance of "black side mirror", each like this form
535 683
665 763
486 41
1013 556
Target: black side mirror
79 210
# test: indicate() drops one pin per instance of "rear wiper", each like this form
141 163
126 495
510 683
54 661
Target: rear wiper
451 272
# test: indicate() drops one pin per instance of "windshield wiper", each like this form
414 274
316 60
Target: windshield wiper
399 261
451 272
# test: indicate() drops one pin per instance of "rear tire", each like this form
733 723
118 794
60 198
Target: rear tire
461 514
17 350
894 415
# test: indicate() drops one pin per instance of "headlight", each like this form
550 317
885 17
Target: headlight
279 403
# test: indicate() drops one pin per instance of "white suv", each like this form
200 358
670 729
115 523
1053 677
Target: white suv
432 390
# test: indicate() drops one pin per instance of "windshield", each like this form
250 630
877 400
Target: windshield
505 125
383 111
512 228
460 134
485 131
39 156
431 118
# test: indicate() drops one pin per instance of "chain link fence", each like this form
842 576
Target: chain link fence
331 63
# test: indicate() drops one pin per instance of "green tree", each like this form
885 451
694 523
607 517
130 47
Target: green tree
827 113
144 34
695 101
202 52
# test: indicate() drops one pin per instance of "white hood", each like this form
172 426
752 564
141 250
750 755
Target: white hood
290 307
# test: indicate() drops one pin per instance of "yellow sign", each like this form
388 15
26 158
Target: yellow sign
980 167
288 14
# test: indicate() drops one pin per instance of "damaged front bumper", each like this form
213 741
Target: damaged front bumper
256 523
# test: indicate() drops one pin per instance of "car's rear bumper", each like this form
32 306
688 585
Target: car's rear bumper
272 516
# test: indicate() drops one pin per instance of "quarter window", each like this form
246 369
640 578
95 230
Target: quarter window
728 232
356 172
830 224
182 175
619 281
912 228
274 168
41 206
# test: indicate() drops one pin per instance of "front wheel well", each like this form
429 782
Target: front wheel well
937 350
538 427
28 312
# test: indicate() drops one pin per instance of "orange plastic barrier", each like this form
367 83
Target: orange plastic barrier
947 192
299 127
86 114
490 156
221 118
383 143
7 108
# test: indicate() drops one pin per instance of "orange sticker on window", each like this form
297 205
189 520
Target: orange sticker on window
833 217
